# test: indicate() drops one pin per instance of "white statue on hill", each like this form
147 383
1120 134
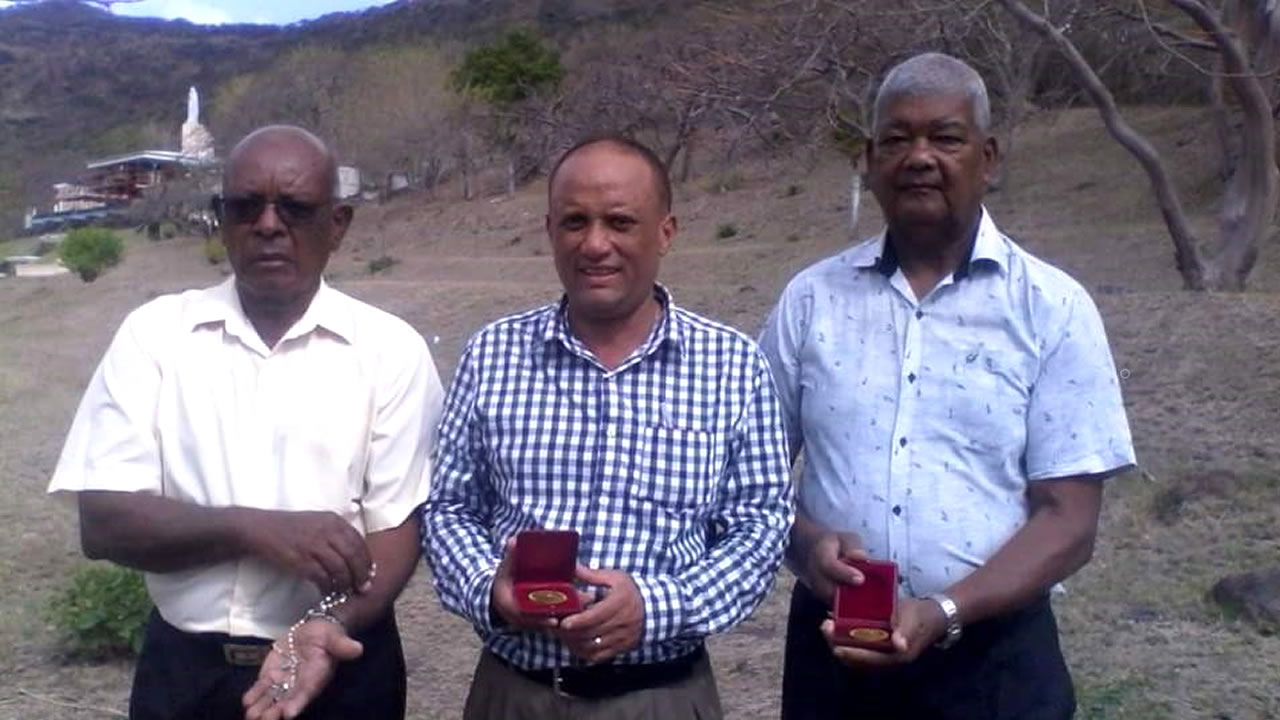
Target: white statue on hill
196 139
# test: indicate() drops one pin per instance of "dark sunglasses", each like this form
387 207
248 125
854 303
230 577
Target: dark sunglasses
246 209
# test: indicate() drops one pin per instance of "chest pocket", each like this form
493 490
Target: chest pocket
988 398
676 470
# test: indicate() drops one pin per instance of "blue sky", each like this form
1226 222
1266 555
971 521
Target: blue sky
234 11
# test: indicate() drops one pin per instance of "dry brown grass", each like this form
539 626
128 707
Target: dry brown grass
1202 388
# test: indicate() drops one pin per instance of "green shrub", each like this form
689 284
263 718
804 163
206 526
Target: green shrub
379 264
102 611
89 251
214 251
726 230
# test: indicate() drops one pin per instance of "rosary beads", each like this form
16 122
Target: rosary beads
287 646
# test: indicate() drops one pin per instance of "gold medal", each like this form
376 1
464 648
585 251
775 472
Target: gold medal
869 634
548 597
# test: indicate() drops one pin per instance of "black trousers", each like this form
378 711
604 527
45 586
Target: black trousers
1002 669
186 676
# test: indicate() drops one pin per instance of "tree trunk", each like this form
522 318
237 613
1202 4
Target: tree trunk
466 166
855 195
511 173
1222 124
1009 135
686 161
670 160
435 174
1249 200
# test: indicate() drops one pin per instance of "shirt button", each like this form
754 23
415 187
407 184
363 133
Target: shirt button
902 442
911 377
611 432
604 500
897 510
919 314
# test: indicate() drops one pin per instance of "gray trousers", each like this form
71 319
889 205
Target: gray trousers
500 693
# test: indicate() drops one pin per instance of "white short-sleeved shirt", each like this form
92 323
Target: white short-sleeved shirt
189 404
922 422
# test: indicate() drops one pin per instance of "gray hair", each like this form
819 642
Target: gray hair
934 73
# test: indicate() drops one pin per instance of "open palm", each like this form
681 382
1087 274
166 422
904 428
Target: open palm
318 646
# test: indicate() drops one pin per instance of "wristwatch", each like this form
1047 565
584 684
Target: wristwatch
952 634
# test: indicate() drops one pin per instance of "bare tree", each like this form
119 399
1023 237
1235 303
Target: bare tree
1249 197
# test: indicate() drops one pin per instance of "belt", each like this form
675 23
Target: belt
595 682
245 655
234 650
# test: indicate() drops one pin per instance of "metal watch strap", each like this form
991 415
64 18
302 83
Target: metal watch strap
953 631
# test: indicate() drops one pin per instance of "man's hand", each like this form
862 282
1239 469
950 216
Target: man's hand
609 627
826 564
502 598
318 546
917 624
319 645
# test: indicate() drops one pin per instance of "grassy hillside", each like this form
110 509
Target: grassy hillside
78 82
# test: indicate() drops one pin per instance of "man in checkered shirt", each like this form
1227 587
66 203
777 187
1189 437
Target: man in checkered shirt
651 431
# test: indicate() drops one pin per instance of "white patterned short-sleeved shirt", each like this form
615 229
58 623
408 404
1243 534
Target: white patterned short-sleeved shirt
922 422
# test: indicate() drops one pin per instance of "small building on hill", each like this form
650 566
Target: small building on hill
109 185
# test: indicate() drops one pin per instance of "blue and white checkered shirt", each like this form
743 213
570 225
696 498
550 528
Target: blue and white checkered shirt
672 467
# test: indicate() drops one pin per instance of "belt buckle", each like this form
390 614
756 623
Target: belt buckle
245 655
556 684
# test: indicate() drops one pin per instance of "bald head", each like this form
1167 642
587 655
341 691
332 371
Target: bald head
661 181
283 145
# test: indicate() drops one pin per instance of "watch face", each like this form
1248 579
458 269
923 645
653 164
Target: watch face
869 634
548 597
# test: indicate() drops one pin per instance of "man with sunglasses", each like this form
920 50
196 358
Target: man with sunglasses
258 449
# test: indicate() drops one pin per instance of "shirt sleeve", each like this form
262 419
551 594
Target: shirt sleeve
112 444
782 341
756 509
455 536
1076 423
410 400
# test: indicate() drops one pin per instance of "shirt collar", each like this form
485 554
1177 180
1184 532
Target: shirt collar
988 248
669 332
221 304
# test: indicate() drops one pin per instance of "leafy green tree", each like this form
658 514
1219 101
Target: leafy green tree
513 69
89 251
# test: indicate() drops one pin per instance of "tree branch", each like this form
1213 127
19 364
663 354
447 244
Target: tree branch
1187 253
1166 31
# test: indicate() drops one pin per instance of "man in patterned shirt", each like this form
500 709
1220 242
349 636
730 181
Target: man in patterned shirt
958 410
651 431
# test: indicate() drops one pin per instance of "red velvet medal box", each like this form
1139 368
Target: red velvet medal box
543 572
864 613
